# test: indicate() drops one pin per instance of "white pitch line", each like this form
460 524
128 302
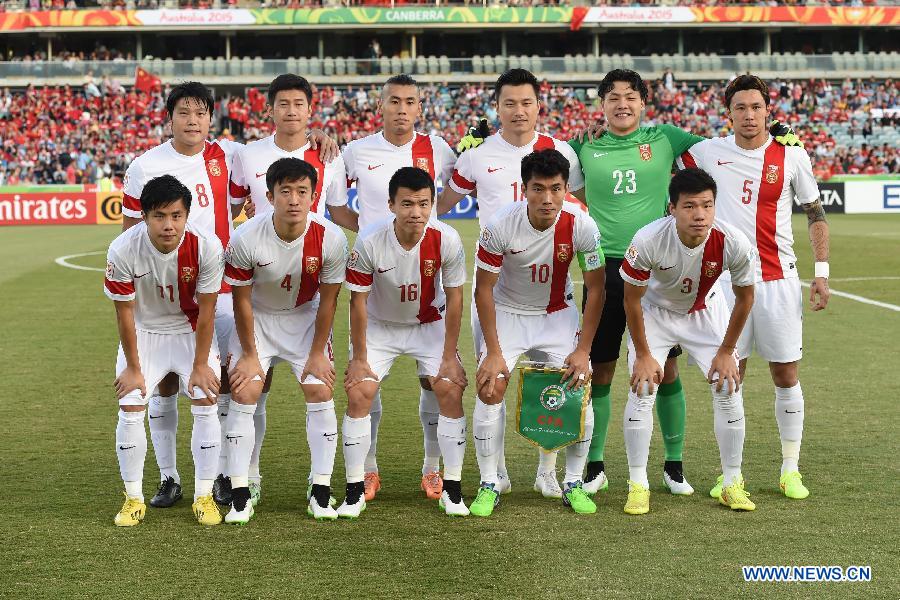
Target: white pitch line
861 299
63 261
863 278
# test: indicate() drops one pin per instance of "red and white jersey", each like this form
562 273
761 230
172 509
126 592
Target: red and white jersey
372 161
164 287
248 177
495 169
534 265
406 286
756 190
206 175
680 278
285 276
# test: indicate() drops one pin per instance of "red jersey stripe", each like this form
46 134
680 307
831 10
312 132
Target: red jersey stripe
710 267
429 267
357 278
238 191
188 272
637 274
771 184
237 273
461 182
563 249
495 260
119 288
219 179
312 157
131 203
423 154
312 263
688 160
544 142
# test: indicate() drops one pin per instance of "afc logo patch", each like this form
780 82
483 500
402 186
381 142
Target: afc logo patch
213 165
563 252
710 268
312 264
485 235
422 163
428 268
354 258
188 274
110 270
632 253
771 174
645 152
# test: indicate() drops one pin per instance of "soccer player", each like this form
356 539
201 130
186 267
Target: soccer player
405 276
670 272
525 304
758 180
290 99
286 268
371 162
495 169
163 276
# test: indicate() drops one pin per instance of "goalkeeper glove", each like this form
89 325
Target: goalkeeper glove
784 135
474 137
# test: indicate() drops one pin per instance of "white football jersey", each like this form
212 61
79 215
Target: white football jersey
495 169
680 279
285 276
164 287
756 190
534 265
249 174
372 161
406 286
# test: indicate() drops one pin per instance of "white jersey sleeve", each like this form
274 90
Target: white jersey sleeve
239 187
239 259
695 156
804 182
212 266
336 192
587 244
132 186
740 260
446 157
334 259
360 267
491 247
119 281
453 261
638 261
349 163
576 177
462 178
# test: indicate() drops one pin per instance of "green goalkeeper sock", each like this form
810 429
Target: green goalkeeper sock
671 409
602 403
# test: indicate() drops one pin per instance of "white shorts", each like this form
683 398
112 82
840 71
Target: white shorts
283 338
161 354
699 333
224 322
775 324
385 342
549 337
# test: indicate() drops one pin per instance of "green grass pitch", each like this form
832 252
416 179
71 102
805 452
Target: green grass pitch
61 485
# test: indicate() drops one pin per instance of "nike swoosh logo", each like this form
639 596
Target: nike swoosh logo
258 175
634 420
432 424
490 170
208 447
144 275
233 437
461 443
793 412
666 268
386 270
126 447
330 434
517 251
158 416
354 444
371 168
258 264
479 439
736 420
726 162
599 154
672 437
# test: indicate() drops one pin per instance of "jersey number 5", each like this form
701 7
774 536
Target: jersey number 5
747 197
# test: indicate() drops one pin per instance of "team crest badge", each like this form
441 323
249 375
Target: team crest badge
213 166
553 397
771 174
422 163
563 252
645 152
312 264
188 274
428 268
710 268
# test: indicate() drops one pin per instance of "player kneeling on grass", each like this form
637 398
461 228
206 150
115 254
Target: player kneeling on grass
164 277
525 304
405 276
286 268
670 272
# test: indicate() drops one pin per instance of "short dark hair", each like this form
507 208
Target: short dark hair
545 163
411 178
626 76
690 181
289 81
401 79
162 191
193 90
743 83
290 169
517 77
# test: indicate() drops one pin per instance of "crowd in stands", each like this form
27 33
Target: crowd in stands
83 135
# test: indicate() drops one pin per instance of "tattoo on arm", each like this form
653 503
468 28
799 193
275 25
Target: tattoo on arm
818 230
814 212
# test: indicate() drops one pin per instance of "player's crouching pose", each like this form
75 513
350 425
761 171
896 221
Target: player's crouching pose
670 272
525 303
164 277
286 268
405 276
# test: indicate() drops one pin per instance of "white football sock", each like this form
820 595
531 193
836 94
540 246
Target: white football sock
501 459
546 461
375 420
789 409
163 412
429 411
206 436
259 428
452 439
357 435
637 425
488 432
576 454
223 401
239 437
729 423
321 435
131 450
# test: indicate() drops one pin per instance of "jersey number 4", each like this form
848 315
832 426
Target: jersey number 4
626 181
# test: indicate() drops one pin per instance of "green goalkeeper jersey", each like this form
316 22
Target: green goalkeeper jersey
626 179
